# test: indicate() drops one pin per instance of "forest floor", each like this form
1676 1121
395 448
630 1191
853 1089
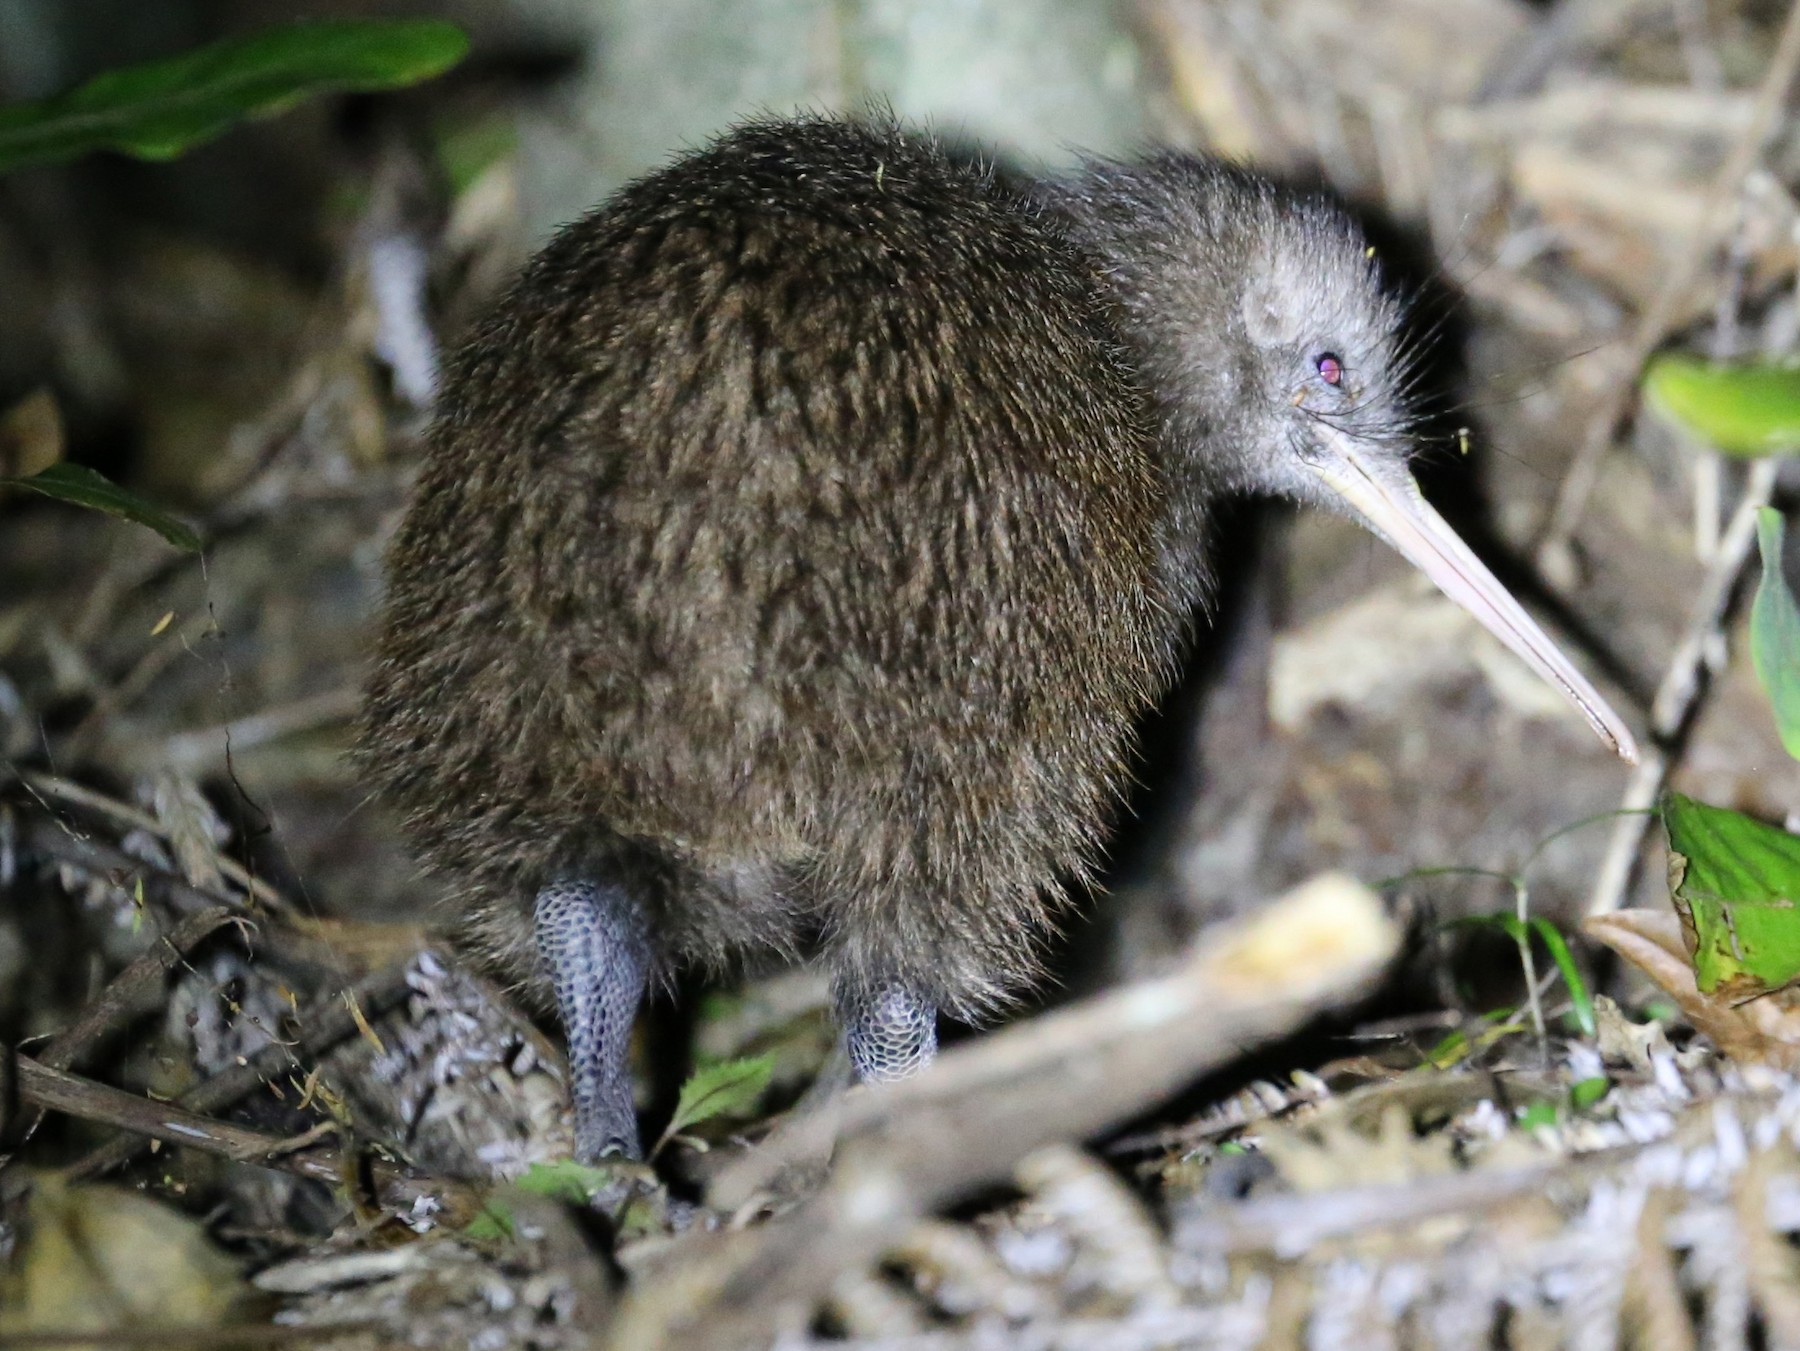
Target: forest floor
1294 1084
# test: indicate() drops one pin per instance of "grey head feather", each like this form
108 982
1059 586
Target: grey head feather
1231 289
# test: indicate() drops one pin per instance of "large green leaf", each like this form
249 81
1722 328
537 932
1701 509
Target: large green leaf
1746 409
1775 632
161 108
1735 883
82 486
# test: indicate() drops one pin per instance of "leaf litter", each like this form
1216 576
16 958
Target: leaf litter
1442 1176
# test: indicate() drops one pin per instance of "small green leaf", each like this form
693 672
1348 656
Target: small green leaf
1747 409
161 108
1538 1114
1734 882
565 1180
1584 1093
726 1088
493 1222
1455 1047
1775 632
1579 999
82 486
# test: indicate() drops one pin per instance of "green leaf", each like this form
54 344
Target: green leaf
82 486
1775 632
1734 882
1748 409
564 1180
726 1088
1455 1046
161 108
1538 1114
493 1222
1579 999
1586 1092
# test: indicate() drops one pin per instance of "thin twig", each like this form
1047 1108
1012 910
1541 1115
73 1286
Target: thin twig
57 840
133 992
88 1100
206 746
1584 470
115 699
395 1189
66 790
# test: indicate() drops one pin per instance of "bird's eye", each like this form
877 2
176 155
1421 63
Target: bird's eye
1331 368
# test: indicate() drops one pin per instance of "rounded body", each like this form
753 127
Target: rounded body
789 549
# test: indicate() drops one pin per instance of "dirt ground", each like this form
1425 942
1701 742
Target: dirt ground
1284 1089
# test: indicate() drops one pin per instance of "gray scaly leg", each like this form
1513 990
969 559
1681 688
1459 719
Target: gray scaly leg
592 939
889 1030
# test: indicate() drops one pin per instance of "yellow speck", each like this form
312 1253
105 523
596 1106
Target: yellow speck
1369 252
163 623
362 1023
880 170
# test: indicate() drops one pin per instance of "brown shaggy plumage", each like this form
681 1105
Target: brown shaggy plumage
791 545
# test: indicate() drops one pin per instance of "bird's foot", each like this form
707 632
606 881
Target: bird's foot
889 1030
592 939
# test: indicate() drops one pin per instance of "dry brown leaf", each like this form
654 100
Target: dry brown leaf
1766 1029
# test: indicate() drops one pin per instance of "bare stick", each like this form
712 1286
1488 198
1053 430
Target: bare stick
134 992
1584 471
1289 1224
395 1189
60 1091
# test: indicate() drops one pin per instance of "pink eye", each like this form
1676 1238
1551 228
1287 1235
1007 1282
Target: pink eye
1331 369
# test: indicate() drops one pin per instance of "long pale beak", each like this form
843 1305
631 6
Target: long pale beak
1390 503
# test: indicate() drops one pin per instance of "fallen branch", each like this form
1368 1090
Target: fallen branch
913 1147
135 991
394 1189
59 1091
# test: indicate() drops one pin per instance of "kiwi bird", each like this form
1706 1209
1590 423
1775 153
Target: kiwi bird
800 537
